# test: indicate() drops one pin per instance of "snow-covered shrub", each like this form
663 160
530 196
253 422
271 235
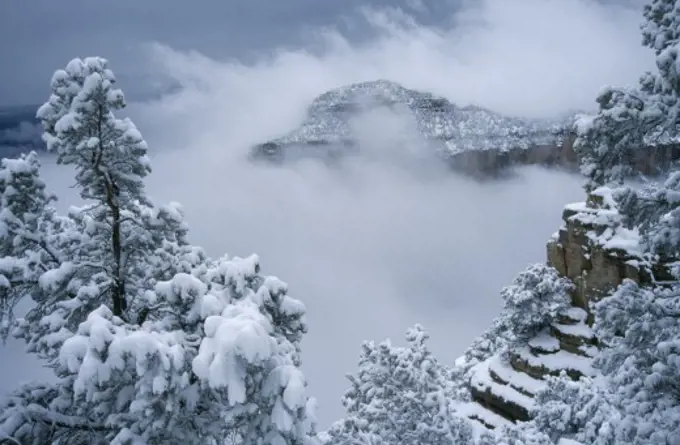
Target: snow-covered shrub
568 408
400 395
520 434
535 299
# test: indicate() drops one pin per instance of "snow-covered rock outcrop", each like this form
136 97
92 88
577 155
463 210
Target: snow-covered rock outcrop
596 253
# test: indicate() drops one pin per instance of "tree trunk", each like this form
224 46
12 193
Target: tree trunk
118 287
118 290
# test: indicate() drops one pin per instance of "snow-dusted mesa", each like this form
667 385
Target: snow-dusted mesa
460 128
474 140
332 125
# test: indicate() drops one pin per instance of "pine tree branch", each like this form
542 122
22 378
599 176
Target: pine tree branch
43 245
38 413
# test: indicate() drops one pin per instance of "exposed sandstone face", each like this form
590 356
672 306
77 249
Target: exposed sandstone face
596 253
482 163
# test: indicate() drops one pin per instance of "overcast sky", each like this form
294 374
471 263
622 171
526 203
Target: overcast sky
37 36
375 247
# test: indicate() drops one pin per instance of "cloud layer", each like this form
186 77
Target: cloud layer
387 239
528 57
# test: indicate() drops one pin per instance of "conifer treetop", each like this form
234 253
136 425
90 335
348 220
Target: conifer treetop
109 153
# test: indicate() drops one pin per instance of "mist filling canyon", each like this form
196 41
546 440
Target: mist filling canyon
371 247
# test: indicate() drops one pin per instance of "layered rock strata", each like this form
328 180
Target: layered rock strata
595 252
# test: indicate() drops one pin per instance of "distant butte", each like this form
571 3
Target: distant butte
471 139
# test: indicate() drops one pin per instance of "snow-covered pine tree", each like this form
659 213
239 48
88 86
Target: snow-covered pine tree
641 327
151 342
631 118
535 299
607 143
661 33
655 211
627 121
110 159
400 395
537 296
23 251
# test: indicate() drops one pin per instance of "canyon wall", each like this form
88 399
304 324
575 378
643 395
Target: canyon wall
482 163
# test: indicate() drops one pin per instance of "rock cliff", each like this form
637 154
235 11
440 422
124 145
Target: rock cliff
595 252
